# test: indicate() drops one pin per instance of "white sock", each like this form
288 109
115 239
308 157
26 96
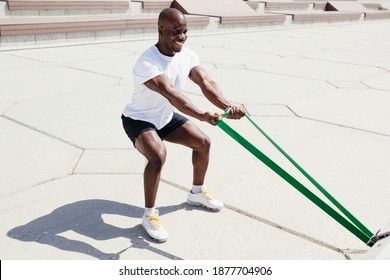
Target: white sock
150 210
197 188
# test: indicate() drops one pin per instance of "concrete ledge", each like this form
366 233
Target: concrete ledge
232 18
50 25
349 6
377 15
29 8
154 4
67 4
228 12
203 18
43 25
319 6
324 16
372 6
285 5
253 4
194 20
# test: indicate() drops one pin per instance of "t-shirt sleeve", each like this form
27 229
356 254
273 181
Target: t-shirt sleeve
194 59
145 69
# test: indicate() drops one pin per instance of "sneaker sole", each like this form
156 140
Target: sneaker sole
204 206
154 238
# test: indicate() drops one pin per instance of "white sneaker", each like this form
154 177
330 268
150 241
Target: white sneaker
151 223
204 199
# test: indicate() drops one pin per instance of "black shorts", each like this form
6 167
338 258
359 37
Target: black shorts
133 128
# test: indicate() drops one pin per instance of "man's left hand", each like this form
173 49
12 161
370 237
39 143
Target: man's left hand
236 112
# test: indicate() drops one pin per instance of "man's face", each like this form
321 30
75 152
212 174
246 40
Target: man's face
172 37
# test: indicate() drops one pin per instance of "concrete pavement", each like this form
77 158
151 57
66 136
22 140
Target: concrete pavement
71 182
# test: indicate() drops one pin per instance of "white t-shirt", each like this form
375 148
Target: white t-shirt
149 105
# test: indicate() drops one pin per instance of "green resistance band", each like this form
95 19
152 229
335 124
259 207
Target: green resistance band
356 227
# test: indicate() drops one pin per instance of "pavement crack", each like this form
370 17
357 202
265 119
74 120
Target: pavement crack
283 228
8 108
28 187
345 126
265 221
42 132
28 58
77 162
95 72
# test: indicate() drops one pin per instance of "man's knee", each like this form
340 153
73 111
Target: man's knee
157 159
205 143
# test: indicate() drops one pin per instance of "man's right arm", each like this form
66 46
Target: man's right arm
164 86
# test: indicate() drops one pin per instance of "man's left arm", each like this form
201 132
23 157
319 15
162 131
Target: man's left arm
213 93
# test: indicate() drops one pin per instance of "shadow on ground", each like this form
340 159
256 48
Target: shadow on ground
85 218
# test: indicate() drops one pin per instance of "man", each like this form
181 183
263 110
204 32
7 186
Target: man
159 76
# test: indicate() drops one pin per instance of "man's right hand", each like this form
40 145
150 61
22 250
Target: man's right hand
211 117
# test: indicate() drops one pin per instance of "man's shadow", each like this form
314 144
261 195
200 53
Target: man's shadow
85 218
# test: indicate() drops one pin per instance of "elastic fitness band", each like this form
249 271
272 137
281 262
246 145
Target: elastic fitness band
353 225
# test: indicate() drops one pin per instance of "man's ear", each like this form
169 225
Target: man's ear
161 30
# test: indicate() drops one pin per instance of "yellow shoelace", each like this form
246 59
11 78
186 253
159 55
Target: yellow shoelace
207 194
155 221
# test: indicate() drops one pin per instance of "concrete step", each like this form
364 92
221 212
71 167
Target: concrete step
20 8
62 29
152 6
